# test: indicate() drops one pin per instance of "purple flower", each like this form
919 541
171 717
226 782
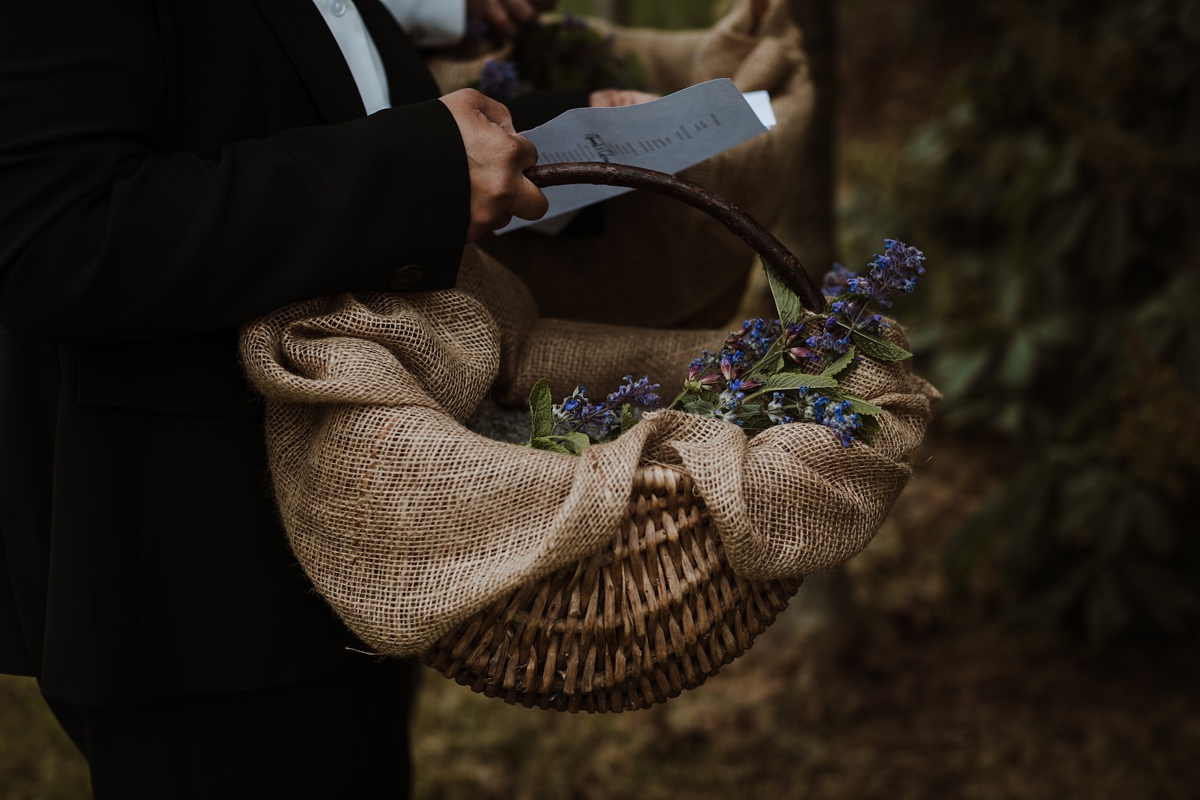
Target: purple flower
578 414
641 393
897 270
699 376
827 339
731 366
499 79
798 355
874 325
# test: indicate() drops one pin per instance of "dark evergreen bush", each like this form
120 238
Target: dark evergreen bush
1060 196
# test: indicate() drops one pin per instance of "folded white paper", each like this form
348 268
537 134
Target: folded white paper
667 135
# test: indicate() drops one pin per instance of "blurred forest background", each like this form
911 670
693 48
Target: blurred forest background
1025 624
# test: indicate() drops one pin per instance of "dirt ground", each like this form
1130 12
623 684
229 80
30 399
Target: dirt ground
912 694
922 699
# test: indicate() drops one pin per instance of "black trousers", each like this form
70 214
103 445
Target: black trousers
344 735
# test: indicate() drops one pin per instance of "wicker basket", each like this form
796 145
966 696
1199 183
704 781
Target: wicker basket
659 610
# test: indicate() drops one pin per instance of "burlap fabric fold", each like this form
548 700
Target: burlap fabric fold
408 523
690 270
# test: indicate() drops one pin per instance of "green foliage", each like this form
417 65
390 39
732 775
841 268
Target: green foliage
781 381
556 55
628 418
541 412
787 302
541 409
838 367
879 348
1062 191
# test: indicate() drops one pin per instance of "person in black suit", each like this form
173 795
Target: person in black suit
168 171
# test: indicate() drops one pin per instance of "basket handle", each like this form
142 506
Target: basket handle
772 251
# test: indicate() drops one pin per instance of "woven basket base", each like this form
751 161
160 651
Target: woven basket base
657 612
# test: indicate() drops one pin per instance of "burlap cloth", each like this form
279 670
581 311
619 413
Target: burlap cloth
689 269
408 523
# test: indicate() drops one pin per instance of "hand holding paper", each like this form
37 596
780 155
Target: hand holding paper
668 135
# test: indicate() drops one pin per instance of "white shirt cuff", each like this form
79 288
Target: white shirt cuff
431 23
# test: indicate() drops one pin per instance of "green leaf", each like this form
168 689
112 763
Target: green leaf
839 366
549 444
541 410
575 443
794 380
862 406
879 349
787 303
774 365
628 420
698 406
870 426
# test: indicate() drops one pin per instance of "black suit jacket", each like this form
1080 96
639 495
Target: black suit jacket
169 170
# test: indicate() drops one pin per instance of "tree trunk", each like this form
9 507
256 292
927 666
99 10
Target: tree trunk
812 209
826 615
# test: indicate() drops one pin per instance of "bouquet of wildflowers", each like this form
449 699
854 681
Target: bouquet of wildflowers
768 373
560 55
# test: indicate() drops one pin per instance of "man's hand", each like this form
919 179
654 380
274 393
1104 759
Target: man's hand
507 16
497 158
615 98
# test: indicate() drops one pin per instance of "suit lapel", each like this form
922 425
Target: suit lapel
316 56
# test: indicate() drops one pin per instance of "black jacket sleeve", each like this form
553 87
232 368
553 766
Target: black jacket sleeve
107 234
537 108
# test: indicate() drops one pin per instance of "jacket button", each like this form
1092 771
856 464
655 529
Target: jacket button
405 278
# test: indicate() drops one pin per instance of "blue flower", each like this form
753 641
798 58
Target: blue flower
499 79
753 340
898 269
775 410
829 342
835 281
874 325
839 417
731 398
577 414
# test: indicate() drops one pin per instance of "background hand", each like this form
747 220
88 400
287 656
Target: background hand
497 158
507 16
615 98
